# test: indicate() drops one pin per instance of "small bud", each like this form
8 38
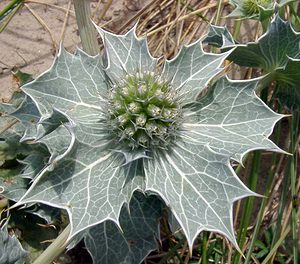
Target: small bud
141 120
125 91
142 138
151 126
123 119
117 105
167 113
170 97
162 131
153 110
129 131
134 107
142 89
159 94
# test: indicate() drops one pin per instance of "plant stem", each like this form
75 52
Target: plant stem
289 181
11 16
219 11
237 29
55 249
247 211
260 215
87 31
9 6
204 248
293 168
279 242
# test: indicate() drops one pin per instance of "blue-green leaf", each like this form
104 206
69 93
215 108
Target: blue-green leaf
137 237
269 52
192 69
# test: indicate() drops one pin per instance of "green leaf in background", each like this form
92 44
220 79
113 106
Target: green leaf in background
11 251
277 54
130 125
272 50
288 84
137 237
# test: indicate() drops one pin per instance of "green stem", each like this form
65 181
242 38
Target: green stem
87 31
247 211
279 242
9 6
11 16
55 249
265 200
293 161
237 29
204 248
218 16
289 181
282 204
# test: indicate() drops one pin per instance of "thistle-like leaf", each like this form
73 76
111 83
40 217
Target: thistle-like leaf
192 69
195 178
269 52
279 59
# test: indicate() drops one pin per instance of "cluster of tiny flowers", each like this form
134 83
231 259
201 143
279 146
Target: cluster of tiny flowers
144 111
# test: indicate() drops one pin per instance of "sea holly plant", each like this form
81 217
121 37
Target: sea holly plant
126 138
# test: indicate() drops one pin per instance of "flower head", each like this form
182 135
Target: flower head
143 111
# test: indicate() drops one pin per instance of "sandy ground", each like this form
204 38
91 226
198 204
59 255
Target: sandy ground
25 44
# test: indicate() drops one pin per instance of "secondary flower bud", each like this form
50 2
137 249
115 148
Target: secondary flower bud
141 120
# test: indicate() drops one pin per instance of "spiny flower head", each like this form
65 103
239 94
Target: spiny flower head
144 111
251 7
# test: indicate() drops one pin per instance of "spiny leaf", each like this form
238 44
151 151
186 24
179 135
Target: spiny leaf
12 186
279 59
194 177
232 120
192 69
126 54
137 238
269 52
